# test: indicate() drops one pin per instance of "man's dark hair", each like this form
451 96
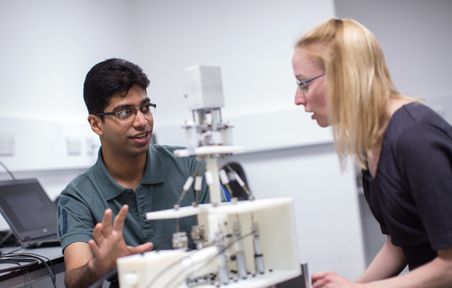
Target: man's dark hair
110 77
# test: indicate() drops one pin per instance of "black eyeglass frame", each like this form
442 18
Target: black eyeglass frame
303 84
133 108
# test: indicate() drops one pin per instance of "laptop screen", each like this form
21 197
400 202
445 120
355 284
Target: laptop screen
28 210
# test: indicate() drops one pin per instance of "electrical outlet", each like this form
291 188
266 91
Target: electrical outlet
6 144
73 146
92 146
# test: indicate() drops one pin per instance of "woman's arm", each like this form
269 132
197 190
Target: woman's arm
388 262
435 274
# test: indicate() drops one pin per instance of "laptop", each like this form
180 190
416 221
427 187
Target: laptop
30 213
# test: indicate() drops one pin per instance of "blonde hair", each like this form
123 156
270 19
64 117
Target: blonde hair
359 85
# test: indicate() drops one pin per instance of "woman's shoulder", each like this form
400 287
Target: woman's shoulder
417 123
415 115
420 112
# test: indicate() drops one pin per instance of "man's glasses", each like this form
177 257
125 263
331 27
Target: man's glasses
303 84
126 111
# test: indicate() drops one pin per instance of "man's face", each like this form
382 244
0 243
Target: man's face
313 96
128 137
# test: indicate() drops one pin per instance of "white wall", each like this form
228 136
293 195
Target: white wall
250 40
48 47
415 36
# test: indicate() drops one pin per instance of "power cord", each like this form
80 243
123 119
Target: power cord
45 261
7 237
27 281
20 259
7 170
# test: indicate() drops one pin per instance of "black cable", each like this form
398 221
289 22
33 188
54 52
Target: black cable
50 269
43 260
20 268
181 197
25 260
6 169
46 259
5 238
30 258
245 185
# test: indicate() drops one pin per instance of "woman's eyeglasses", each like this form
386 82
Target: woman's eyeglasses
303 84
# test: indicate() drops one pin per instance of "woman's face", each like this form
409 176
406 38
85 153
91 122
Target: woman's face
312 93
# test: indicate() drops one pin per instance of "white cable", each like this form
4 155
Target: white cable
223 177
188 183
198 183
209 178
237 177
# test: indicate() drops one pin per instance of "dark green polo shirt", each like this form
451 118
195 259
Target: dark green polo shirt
84 200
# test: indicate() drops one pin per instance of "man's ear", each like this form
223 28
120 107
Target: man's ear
96 124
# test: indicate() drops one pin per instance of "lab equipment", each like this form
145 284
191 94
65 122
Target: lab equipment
248 243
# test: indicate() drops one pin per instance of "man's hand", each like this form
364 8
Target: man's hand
86 263
108 242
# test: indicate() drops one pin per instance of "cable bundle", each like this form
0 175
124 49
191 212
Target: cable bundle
24 261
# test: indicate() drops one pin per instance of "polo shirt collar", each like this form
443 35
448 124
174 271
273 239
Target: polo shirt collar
156 167
154 173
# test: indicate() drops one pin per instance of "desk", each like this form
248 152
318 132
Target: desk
36 272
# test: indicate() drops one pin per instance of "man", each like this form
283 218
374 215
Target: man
131 177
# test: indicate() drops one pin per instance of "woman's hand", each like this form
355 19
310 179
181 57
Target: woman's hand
332 280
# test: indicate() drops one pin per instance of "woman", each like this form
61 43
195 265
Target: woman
403 147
